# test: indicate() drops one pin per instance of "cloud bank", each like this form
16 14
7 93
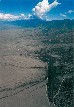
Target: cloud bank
11 17
43 7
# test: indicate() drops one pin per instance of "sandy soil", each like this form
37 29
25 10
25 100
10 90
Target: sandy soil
22 75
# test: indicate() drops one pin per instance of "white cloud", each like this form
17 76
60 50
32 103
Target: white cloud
13 17
63 15
71 11
8 17
43 7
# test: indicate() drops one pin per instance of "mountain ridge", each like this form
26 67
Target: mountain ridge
38 22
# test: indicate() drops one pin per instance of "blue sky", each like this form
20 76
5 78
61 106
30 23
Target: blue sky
43 9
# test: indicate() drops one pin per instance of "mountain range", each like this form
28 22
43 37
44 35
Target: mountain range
37 22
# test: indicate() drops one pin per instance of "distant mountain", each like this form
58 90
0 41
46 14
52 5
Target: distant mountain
38 22
23 23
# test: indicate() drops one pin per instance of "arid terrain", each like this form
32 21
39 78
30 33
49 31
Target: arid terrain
36 64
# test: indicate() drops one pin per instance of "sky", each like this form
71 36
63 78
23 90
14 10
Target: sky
42 9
